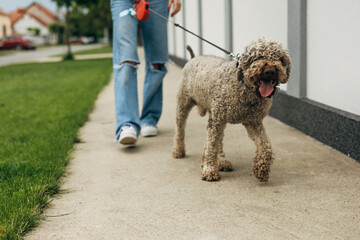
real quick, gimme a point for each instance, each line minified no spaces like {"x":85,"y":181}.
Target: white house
{"x":22,"y":25}
{"x":5,"y":24}
{"x":35,"y":16}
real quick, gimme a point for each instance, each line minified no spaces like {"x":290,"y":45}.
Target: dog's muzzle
{"x":267,"y":82}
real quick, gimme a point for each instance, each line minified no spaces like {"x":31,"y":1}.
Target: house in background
{"x":5,"y":24}
{"x":34,"y":21}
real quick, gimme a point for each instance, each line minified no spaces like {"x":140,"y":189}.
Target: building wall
{"x":21,"y":26}
{"x":332,"y":43}
{"x":253,"y":19}
{"x":5,"y":26}
{"x":178,"y":36}
{"x":213,"y":24}
{"x":192,"y":9}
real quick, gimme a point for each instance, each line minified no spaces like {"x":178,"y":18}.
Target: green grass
{"x":42,"y":107}
{"x":104,"y":49}
{"x":8,"y":52}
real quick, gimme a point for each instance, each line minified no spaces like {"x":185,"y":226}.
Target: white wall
{"x":333,"y":40}
{"x":333,"y":57}
{"x":257,"y":18}
{"x":27,"y":21}
{"x":171,"y":43}
{"x":179,"y":34}
{"x":213,"y":19}
{"x":192,"y":24}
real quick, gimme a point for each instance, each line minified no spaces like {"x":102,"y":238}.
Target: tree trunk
{"x":67,"y":34}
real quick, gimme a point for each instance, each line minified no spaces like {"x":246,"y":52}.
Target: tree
{"x":68,"y":4}
{"x":35,"y":31}
{"x":58,"y":28}
{"x":94,"y":21}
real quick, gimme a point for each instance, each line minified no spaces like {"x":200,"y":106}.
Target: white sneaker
{"x":128,"y":135}
{"x":148,"y":131}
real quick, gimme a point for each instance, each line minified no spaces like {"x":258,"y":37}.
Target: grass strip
{"x":7,"y":52}
{"x":42,"y":107}
{"x":104,"y":49}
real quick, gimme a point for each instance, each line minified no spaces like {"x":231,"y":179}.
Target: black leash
{"x":203,"y":39}
{"x":237,"y":56}
{"x":221,"y":49}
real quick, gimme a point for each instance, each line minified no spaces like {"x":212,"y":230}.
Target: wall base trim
{"x":338,"y":129}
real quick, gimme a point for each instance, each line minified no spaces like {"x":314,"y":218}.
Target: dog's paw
{"x":262,"y":171}
{"x":210,"y":175}
{"x":178,"y":154}
{"x":225,"y":166}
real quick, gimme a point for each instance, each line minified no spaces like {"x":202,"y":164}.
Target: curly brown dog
{"x":232,"y":94}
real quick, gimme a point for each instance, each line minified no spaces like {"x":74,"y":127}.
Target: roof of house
{"x":44,"y":9}
{"x":20,"y":12}
{"x":14,"y":16}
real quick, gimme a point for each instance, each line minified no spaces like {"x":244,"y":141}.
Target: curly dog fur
{"x":233,"y":95}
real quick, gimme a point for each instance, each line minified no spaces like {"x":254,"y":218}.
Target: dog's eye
{"x":283,"y":61}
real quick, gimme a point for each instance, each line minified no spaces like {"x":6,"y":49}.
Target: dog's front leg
{"x":210,"y":168}
{"x":264,"y":155}
{"x":224,"y":165}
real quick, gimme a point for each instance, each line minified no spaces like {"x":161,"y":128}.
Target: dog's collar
{"x":241,"y":76}
{"x":242,"y":80}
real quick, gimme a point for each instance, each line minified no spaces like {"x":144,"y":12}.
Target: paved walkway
{"x":43,"y":54}
{"x":114,"y":192}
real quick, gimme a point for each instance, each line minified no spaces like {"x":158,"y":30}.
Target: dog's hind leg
{"x":210,"y":167}
{"x":224,"y":165}
{"x":264,"y":155}
{"x":184,"y":105}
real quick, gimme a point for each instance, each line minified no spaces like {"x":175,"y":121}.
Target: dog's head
{"x":264,"y":65}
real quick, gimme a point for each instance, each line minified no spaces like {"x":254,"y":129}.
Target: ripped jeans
{"x":125,"y":61}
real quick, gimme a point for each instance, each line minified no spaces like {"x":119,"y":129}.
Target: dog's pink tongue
{"x":266,"y":88}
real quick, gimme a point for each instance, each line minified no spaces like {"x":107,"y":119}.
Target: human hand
{"x":177,"y":6}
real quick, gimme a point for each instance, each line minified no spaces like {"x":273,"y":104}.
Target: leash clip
{"x":130,"y":11}
{"x":237,"y":58}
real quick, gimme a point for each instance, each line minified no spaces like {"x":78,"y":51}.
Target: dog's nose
{"x":270,"y":72}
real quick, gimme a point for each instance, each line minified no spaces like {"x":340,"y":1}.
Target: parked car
{"x":17,"y":42}
{"x":82,"y":40}
{"x":87,"y":40}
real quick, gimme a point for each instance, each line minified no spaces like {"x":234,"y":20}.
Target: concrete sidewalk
{"x":115,"y":192}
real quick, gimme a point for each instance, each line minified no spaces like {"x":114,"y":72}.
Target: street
{"x":30,"y":55}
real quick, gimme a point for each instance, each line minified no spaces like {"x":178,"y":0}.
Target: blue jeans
{"x":154,"y":34}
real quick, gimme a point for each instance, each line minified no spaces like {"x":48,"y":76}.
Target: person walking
{"x":129,"y":124}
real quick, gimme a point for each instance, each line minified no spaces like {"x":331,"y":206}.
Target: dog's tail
{"x":190,"y":51}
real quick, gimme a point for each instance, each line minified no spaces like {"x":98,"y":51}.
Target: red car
{"x":16,"y":42}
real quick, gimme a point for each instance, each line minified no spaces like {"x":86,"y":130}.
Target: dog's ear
{"x":286,"y":62}
{"x":240,"y":75}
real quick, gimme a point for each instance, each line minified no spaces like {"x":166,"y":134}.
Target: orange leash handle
{"x":142,"y":10}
